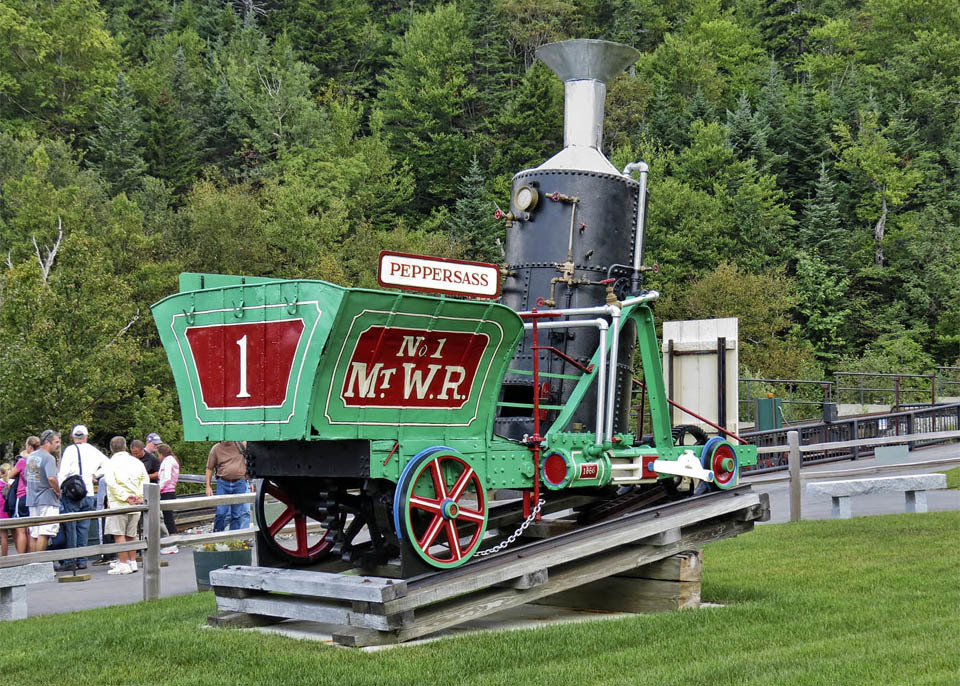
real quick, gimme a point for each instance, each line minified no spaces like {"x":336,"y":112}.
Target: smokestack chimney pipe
{"x":585,"y":66}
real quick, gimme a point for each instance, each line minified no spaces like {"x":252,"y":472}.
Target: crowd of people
{"x":84,"y":479}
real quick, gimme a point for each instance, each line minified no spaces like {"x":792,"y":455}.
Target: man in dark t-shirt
{"x":150,"y":461}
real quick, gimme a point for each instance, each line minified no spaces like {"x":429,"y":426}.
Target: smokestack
{"x":585,"y":66}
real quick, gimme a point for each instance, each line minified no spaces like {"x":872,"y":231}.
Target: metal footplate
{"x":366,"y":610}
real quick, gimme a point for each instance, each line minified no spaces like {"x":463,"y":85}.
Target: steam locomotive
{"x":380,"y":422}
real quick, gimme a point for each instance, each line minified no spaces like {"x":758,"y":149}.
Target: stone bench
{"x":13,"y":587}
{"x":914,"y":486}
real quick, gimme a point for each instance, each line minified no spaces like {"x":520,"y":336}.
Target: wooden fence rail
{"x":151,"y":543}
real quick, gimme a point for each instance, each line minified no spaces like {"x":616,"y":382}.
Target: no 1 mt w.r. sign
{"x":435,"y":275}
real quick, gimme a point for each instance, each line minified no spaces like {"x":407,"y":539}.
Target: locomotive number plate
{"x":245,"y":365}
{"x":412,"y":368}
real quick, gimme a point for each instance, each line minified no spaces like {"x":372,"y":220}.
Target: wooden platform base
{"x":666,"y":585}
{"x":643,"y":555}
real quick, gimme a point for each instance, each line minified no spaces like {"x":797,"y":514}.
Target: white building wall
{"x":695,"y":376}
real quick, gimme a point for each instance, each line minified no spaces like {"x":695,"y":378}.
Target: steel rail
{"x":429,"y":579}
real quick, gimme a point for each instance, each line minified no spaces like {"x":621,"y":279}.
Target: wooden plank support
{"x":639,"y":562}
{"x":459,"y":610}
{"x":311,"y":609}
{"x":537,"y":578}
{"x":313,"y":584}
{"x":664,"y":537}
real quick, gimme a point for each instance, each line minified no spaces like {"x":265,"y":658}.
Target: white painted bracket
{"x":686,"y":465}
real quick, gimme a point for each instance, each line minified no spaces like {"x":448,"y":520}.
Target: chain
{"x":515,"y":535}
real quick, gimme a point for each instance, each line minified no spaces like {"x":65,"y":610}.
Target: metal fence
{"x":920,"y":421}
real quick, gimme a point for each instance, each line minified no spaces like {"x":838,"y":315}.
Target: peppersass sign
{"x":435,"y":275}
{"x":394,"y":367}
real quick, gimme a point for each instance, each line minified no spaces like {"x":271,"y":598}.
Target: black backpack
{"x":73,"y":487}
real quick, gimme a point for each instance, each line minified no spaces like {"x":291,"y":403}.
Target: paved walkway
{"x":818,"y":507}
{"x":178,"y":578}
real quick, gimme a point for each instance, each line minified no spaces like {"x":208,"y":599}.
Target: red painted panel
{"x":647,"y":461}
{"x":269,"y":349}
{"x":393,"y":367}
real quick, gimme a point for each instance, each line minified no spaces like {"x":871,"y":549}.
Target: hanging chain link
{"x":515,"y":535}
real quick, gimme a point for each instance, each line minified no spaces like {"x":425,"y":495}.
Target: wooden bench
{"x":13,"y":587}
{"x":914,"y":487}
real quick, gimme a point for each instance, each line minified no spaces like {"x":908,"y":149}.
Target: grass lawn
{"x":870,"y":600}
{"x":953,"y":477}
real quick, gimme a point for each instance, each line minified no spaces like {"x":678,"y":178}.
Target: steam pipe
{"x":602,"y":370}
{"x":644,"y":170}
{"x":612,"y":374}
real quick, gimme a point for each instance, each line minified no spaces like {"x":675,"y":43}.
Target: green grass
{"x":872,"y":600}
{"x":953,"y":477}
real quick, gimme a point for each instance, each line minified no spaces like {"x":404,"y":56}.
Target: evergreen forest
{"x":804,"y":155}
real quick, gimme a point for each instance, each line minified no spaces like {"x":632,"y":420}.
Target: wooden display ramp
{"x":367,"y":610}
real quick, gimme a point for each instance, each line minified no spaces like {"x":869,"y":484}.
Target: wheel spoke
{"x":427,"y":504}
{"x":275,"y":491}
{"x":454,"y":538}
{"x":281,"y":521}
{"x":431,"y":534}
{"x":300,"y":523}
{"x":438,"y":486}
{"x":471,"y":515}
{"x":461,"y":485}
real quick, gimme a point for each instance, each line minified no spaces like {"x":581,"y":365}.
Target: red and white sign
{"x":589,"y":470}
{"x":435,"y":275}
{"x":394,"y":367}
{"x":245,"y":365}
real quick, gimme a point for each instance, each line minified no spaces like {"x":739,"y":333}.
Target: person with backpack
{"x":81,"y":466}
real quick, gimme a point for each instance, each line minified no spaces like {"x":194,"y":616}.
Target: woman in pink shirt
{"x":20,"y":533}
{"x":168,"y":476}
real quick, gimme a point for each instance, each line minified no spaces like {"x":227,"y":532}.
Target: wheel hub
{"x":449,"y":509}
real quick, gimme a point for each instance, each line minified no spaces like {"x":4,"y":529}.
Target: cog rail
{"x":365,"y":610}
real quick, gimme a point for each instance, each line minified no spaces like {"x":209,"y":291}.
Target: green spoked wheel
{"x":441,"y":506}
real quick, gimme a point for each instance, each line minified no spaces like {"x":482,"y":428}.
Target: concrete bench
{"x":13,"y":587}
{"x":914,"y":486}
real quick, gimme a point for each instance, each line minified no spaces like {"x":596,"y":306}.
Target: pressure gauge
{"x":526,"y":198}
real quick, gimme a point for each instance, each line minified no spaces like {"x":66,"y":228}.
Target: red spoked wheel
{"x":724,"y":463}
{"x":288,"y":528}
{"x":444,"y":508}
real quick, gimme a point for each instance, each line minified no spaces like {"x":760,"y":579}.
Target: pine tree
{"x":424,"y":95}
{"x":820,"y":231}
{"x":749,"y":132}
{"x":472,"y":221}
{"x":785,"y":26}
{"x":530,"y":127}
{"x":171,"y":145}
{"x":115,"y":149}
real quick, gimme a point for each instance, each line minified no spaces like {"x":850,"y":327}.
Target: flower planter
{"x":206,"y":561}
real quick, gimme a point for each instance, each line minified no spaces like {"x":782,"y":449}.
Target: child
{"x":168,"y":476}
{"x":5,"y":492}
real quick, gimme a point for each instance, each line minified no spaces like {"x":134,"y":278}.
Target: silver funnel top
{"x":585,"y":65}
